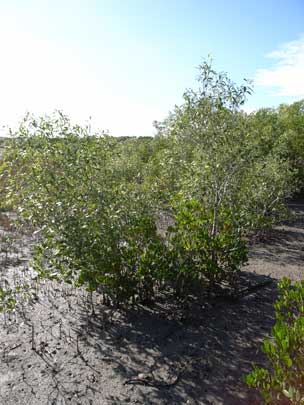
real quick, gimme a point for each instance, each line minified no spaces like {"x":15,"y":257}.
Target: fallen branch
{"x":150,"y":381}
{"x":245,"y":291}
{"x":249,"y":290}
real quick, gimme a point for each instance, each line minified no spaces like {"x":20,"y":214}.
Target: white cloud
{"x":286,"y":76}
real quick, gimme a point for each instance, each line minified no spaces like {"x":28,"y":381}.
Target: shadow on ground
{"x":196,"y":354}
{"x":282,"y":247}
{"x":52,"y":351}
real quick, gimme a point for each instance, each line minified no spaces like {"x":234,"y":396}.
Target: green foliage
{"x":95,"y":221}
{"x":284,"y":379}
{"x":200,"y":257}
{"x":281,"y":132}
{"x":7,"y":299}
{"x":221,"y":183}
{"x":96,"y":201}
{"x":292,"y":121}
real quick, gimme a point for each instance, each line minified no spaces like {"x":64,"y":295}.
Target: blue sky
{"x":126,"y":63}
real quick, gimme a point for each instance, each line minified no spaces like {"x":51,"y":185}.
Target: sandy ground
{"x":53,"y":351}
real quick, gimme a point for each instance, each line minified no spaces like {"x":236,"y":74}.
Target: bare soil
{"x":53,"y":350}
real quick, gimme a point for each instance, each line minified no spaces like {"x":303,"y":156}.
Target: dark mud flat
{"x":54,"y":351}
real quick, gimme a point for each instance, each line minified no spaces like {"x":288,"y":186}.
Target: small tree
{"x":283,"y":380}
{"x":221,"y":183}
{"x":95,"y":220}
